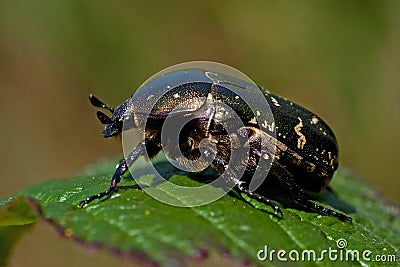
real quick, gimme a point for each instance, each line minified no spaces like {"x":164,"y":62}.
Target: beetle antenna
{"x":103,"y":118}
{"x":98,"y":103}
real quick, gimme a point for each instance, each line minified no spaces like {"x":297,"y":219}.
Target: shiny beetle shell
{"x":306,"y":154}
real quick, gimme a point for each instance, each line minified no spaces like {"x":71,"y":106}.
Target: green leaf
{"x":16,"y":217}
{"x":132,"y":222}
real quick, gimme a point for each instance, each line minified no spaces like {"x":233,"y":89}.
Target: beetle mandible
{"x":303,"y":158}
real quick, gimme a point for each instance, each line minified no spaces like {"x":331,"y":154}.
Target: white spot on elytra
{"x":253,"y":120}
{"x":264,"y":124}
{"x":301,"y":141}
{"x":176,"y":95}
{"x":311,"y":167}
{"x":314,"y":120}
{"x":276,"y":103}
{"x":270,"y":127}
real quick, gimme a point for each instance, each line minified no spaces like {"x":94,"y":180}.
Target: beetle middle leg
{"x":240,"y":185}
{"x":299,"y":196}
{"x":259,"y":198}
{"x":122,"y":168}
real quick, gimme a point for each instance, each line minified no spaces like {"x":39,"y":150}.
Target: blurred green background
{"x":340,"y":59}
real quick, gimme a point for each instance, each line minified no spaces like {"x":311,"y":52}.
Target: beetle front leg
{"x":122,"y":168}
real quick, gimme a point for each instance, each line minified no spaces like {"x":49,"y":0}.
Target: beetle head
{"x":113,"y":123}
{"x":113,"y":127}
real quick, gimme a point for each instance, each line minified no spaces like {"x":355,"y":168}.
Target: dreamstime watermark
{"x":180,"y":107}
{"x":338,"y":253}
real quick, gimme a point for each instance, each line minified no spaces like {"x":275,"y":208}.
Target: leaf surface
{"x":154,"y":233}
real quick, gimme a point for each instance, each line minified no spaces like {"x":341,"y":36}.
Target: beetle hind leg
{"x":305,"y":201}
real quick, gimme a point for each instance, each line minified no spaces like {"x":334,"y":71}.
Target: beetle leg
{"x":305,"y":201}
{"x":231,"y":178}
{"x":259,"y":198}
{"x":122,"y":168}
{"x":239,"y":185}
{"x":300,"y":196}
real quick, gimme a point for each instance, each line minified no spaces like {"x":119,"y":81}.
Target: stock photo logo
{"x":338,"y":253}
{"x":208,"y":115}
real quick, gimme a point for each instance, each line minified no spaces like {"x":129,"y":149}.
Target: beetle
{"x":304,"y":158}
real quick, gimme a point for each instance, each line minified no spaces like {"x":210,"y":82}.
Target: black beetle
{"x":304,"y":157}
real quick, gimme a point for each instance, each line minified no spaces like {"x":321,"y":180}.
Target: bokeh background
{"x":341,"y":59}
